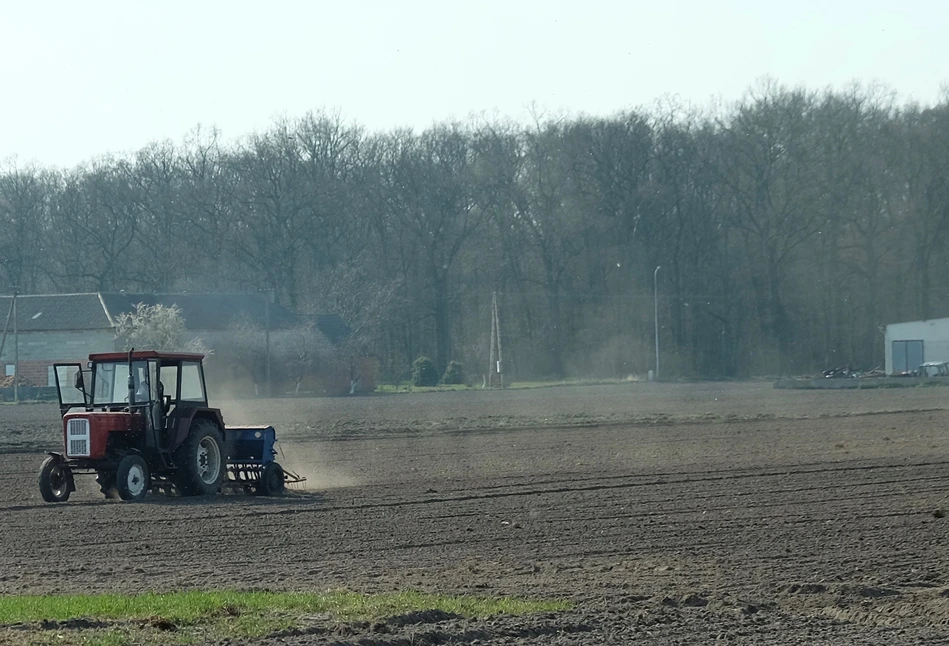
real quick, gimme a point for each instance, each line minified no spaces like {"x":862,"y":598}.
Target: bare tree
{"x":94,"y":225}
{"x":429,"y":191}
{"x":25,"y":193}
{"x":765,"y":167}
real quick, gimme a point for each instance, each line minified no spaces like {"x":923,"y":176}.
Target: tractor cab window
{"x":111,"y":382}
{"x":169,"y":379}
{"x":192,"y":383}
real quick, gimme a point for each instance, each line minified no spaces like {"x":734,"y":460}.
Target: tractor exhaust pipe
{"x":131,"y":382}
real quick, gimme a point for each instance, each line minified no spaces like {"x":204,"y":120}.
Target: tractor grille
{"x":77,"y":438}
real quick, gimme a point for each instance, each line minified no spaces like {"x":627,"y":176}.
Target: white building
{"x":912,"y":343}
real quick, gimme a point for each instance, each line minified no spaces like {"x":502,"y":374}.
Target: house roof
{"x":97,"y":311}
{"x":146,"y":354}
{"x":209,"y":311}
{"x":939,"y":321}
{"x":51,"y":312}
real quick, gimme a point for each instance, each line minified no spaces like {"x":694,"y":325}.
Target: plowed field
{"x":668,"y":514}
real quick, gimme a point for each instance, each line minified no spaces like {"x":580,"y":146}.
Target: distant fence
{"x":44,"y":393}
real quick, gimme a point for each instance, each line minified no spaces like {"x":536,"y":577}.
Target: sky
{"x":83,"y":79}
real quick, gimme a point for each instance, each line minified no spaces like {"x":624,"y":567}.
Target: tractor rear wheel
{"x":200,"y":460}
{"x":131,"y":478}
{"x":56,"y":481}
{"x":271,"y":480}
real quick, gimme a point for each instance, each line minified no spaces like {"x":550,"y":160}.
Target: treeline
{"x":789,"y":228}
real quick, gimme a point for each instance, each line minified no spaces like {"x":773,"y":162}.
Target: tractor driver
{"x":141,"y":388}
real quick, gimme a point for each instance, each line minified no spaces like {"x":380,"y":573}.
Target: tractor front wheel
{"x":132,"y":478}
{"x":200,"y":460}
{"x":56,"y":482}
{"x":271,"y":480}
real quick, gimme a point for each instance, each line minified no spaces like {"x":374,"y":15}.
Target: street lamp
{"x":655,"y":293}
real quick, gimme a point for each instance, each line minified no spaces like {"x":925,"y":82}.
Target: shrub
{"x":424,"y":373}
{"x":156,"y":327}
{"x":454,"y":373}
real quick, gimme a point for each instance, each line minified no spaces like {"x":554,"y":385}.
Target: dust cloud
{"x":307,"y":462}
{"x":303,"y":458}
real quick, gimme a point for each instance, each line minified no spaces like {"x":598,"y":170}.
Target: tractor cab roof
{"x":146,"y":354}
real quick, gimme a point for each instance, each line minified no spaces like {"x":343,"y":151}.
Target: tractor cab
{"x":141,"y":392}
{"x":115,"y":381}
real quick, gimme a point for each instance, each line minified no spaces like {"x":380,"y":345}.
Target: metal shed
{"x":912,"y":343}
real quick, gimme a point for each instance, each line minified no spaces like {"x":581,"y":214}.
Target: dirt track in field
{"x":668,"y":513}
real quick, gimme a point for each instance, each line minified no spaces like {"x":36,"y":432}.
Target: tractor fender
{"x":184,"y":423}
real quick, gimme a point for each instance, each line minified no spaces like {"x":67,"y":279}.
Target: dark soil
{"x":668,"y":513}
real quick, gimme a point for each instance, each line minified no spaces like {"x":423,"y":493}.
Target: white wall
{"x":933,"y":333}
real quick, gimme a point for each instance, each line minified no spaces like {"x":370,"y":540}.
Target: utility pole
{"x":493,"y":352}
{"x":494,"y":359}
{"x":655,"y":292}
{"x":16,"y":351}
{"x":497,"y":325}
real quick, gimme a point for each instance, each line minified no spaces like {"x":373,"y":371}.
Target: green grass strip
{"x":198,"y":607}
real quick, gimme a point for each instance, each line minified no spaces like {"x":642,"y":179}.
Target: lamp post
{"x":655,"y":294}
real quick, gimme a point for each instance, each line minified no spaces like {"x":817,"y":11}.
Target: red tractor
{"x":141,"y":420}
